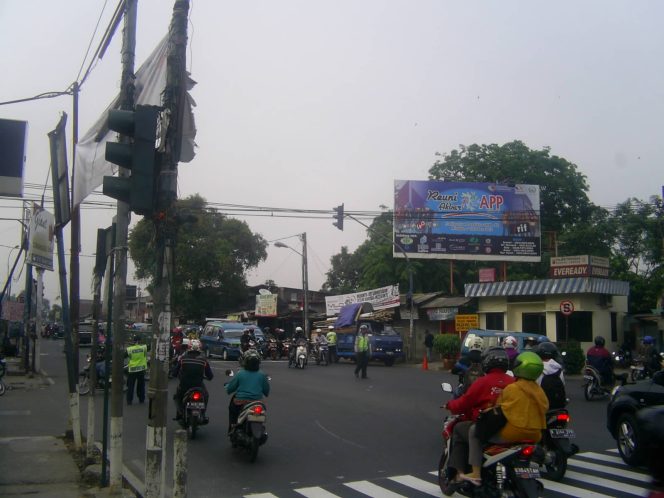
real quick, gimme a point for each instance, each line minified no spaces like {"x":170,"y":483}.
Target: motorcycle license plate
{"x":637,"y":368}
{"x":196,"y":405}
{"x":256,"y":418}
{"x":388,"y":353}
{"x":527,"y":472}
{"x":588,"y":377}
{"x":562,"y":433}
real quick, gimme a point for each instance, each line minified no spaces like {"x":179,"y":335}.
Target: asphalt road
{"x":325,"y":426}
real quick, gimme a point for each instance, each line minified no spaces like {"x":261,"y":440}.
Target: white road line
{"x":315,"y":492}
{"x":606,"y":483}
{"x":572,"y":490}
{"x":613,"y":450}
{"x":371,"y":489}
{"x":418,"y":484}
{"x":261,"y":495}
{"x":582,"y":464}
{"x":603,"y":458}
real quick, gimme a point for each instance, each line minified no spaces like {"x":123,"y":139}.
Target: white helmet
{"x":510,"y":342}
{"x":477,"y":344}
{"x":195,"y":345}
{"x":330,"y":327}
{"x":298,"y":329}
{"x":186,"y":342}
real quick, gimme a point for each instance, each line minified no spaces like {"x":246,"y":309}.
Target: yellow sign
{"x":463,"y":323}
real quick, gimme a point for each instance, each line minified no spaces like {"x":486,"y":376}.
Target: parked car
{"x":223,"y":338}
{"x":622,"y":415}
{"x":496,"y":337}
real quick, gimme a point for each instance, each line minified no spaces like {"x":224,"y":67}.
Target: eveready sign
{"x":579,"y":271}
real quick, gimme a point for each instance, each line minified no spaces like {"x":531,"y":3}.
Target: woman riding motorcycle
{"x":250,"y":384}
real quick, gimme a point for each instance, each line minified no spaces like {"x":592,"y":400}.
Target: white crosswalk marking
{"x":418,"y":484}
{"x":315,"y":492}
{"x":373,"y":490}
{"x":587,"y":476}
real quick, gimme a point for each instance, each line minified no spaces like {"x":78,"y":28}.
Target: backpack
{"x":554,"y":388}
{"x":473,"y":373}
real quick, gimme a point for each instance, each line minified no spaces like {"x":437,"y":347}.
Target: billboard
{"x":381,"y":298}
{"x":471,"y":221}
{"x":13,"y":139}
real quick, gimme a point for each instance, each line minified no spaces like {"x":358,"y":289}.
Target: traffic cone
{"x":425,"y":363}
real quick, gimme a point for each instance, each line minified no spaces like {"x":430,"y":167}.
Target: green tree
{"x":211,"y":258}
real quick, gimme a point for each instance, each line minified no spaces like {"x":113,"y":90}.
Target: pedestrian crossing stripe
{"x":589,"y":475}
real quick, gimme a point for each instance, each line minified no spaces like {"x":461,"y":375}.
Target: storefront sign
{"x":442,"y":313}
{"x":266,"y":304}
{"x":463,"y":323}
{"x":579,"y":266}
{"x":487,"y":275}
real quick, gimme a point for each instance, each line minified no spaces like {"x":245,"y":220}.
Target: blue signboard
{"x":473,"y":221}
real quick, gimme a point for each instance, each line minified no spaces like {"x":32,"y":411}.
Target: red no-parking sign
{"x":566,"y":307}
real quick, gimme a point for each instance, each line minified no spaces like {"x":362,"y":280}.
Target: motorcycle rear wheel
{"x":3,"y":388}
{"x":193,"y":428}
{"x":588,"y":392}
{"x":556,"y":469}
{"x":253,"y":449}
{"x":84,"y":385}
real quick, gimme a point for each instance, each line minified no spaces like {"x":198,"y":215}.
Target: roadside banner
{"x":381,"y":298}
{"x":266,"y":305}
{"x":40,"y":232}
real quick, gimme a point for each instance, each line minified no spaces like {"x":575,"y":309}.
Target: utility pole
{"x":165,"y":232}
{"x":120,"y":250}
{"x":305,"y":285}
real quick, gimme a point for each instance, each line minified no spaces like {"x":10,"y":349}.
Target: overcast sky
{"x":308,"y":104}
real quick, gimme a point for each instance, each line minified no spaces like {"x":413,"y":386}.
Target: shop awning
{"x":447,"y":302}
{"x":579,"y":285}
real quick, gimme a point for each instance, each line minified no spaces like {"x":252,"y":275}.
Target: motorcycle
{"x":272,"y":348}
{"x":193,"y":411}
{"x":300,"y":360}
{"x":84,"y":382}
{"x":556,"y":443}
{"x":3,"y":369}
{"x":285,"y":348}
{"x":637,"y":370}
{"x":508,"y":469}
{"x":322,"y":354}
{"x":622,"y":358}
{"x":593,"y":386}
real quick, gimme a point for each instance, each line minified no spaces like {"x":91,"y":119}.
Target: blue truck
{"x":385,"y":343}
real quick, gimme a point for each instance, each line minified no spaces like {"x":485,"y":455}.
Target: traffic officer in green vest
{"x":362,"y":351}
{"x":332,"y":343}
{"x":138,"y":364}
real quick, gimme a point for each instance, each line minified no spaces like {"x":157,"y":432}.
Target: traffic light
{"x":339,"y":217}
{"x":137,"y":190}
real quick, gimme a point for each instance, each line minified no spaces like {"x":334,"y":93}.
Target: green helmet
{"x":528,"y":365}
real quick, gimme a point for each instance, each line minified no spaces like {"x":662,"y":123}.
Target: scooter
{"x":322,"y":354}
{"x":193,"y":411}
{"x":301,"y":356}
{"x":593,"y":387}
{"x":637,"y":370}
{"x":510,"y":469}
{"x":556,"y":443}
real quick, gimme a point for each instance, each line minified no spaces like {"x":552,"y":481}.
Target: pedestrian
{"x":138,"y":364}
{"x":332,"y":342}
{"x":362,"y":351}
{"x":428,"y":343}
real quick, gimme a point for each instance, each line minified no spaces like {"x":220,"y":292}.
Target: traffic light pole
{"x":120,"y":250}
{"x":165,"y":232}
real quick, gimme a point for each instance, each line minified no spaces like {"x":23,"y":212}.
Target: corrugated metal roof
{"x":447,"y":302}
{"x":577,"y":285}
{"x":420,"y":298}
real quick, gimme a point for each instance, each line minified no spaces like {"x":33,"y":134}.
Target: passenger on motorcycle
{"x":191,"y":370}
{"x":246,"y":338}
{"x":599,"y":358}
{"x":510,"y":344}
{"x":250,"y":384}
{"x":482,"y":394}
{"x":529,"y":343}
{"x":552,"y":380}
{"x":523,"y":404}
{"x":469,"y":366}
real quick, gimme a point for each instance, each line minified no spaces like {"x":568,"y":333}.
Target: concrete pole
{"x":305,"y":285}
{"x":120,"y":250}
{"x":38,"y":320}
{"x":180,"y":464}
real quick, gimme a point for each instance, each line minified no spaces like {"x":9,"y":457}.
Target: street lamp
{"x":305,"y":278}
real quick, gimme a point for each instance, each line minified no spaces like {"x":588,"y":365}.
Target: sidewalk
{"x":43,"y":466}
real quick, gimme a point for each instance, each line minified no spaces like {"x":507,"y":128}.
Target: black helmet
{"x":599,"y":341}
{"x":251,"y":360}
{"x":547,"y":350}
{"x":495,"y":357}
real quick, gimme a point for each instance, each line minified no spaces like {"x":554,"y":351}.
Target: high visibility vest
{"x":332,"y":338}
{"x":362,"y":343}
{"x":138,"y":358}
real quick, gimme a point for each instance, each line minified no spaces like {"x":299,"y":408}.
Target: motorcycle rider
{"x":191,"y":370}
{"x":510,"y":345}
{"x":482,"y":394}
{"x":599,"y":358}
{"x":530,"y":343}
{"x":552,"y":380}
{"x":298,"y":338}
{"x":321,"y":340}
{"x":524,"y":406}
{"x":332,"y":343}
{"x":649,"y":355}
{"x":469,"y":366}
{"x":247,"y":336}
{"x":250,"y":384}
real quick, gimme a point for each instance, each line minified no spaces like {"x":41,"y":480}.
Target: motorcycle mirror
{"x":446,"y":386}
